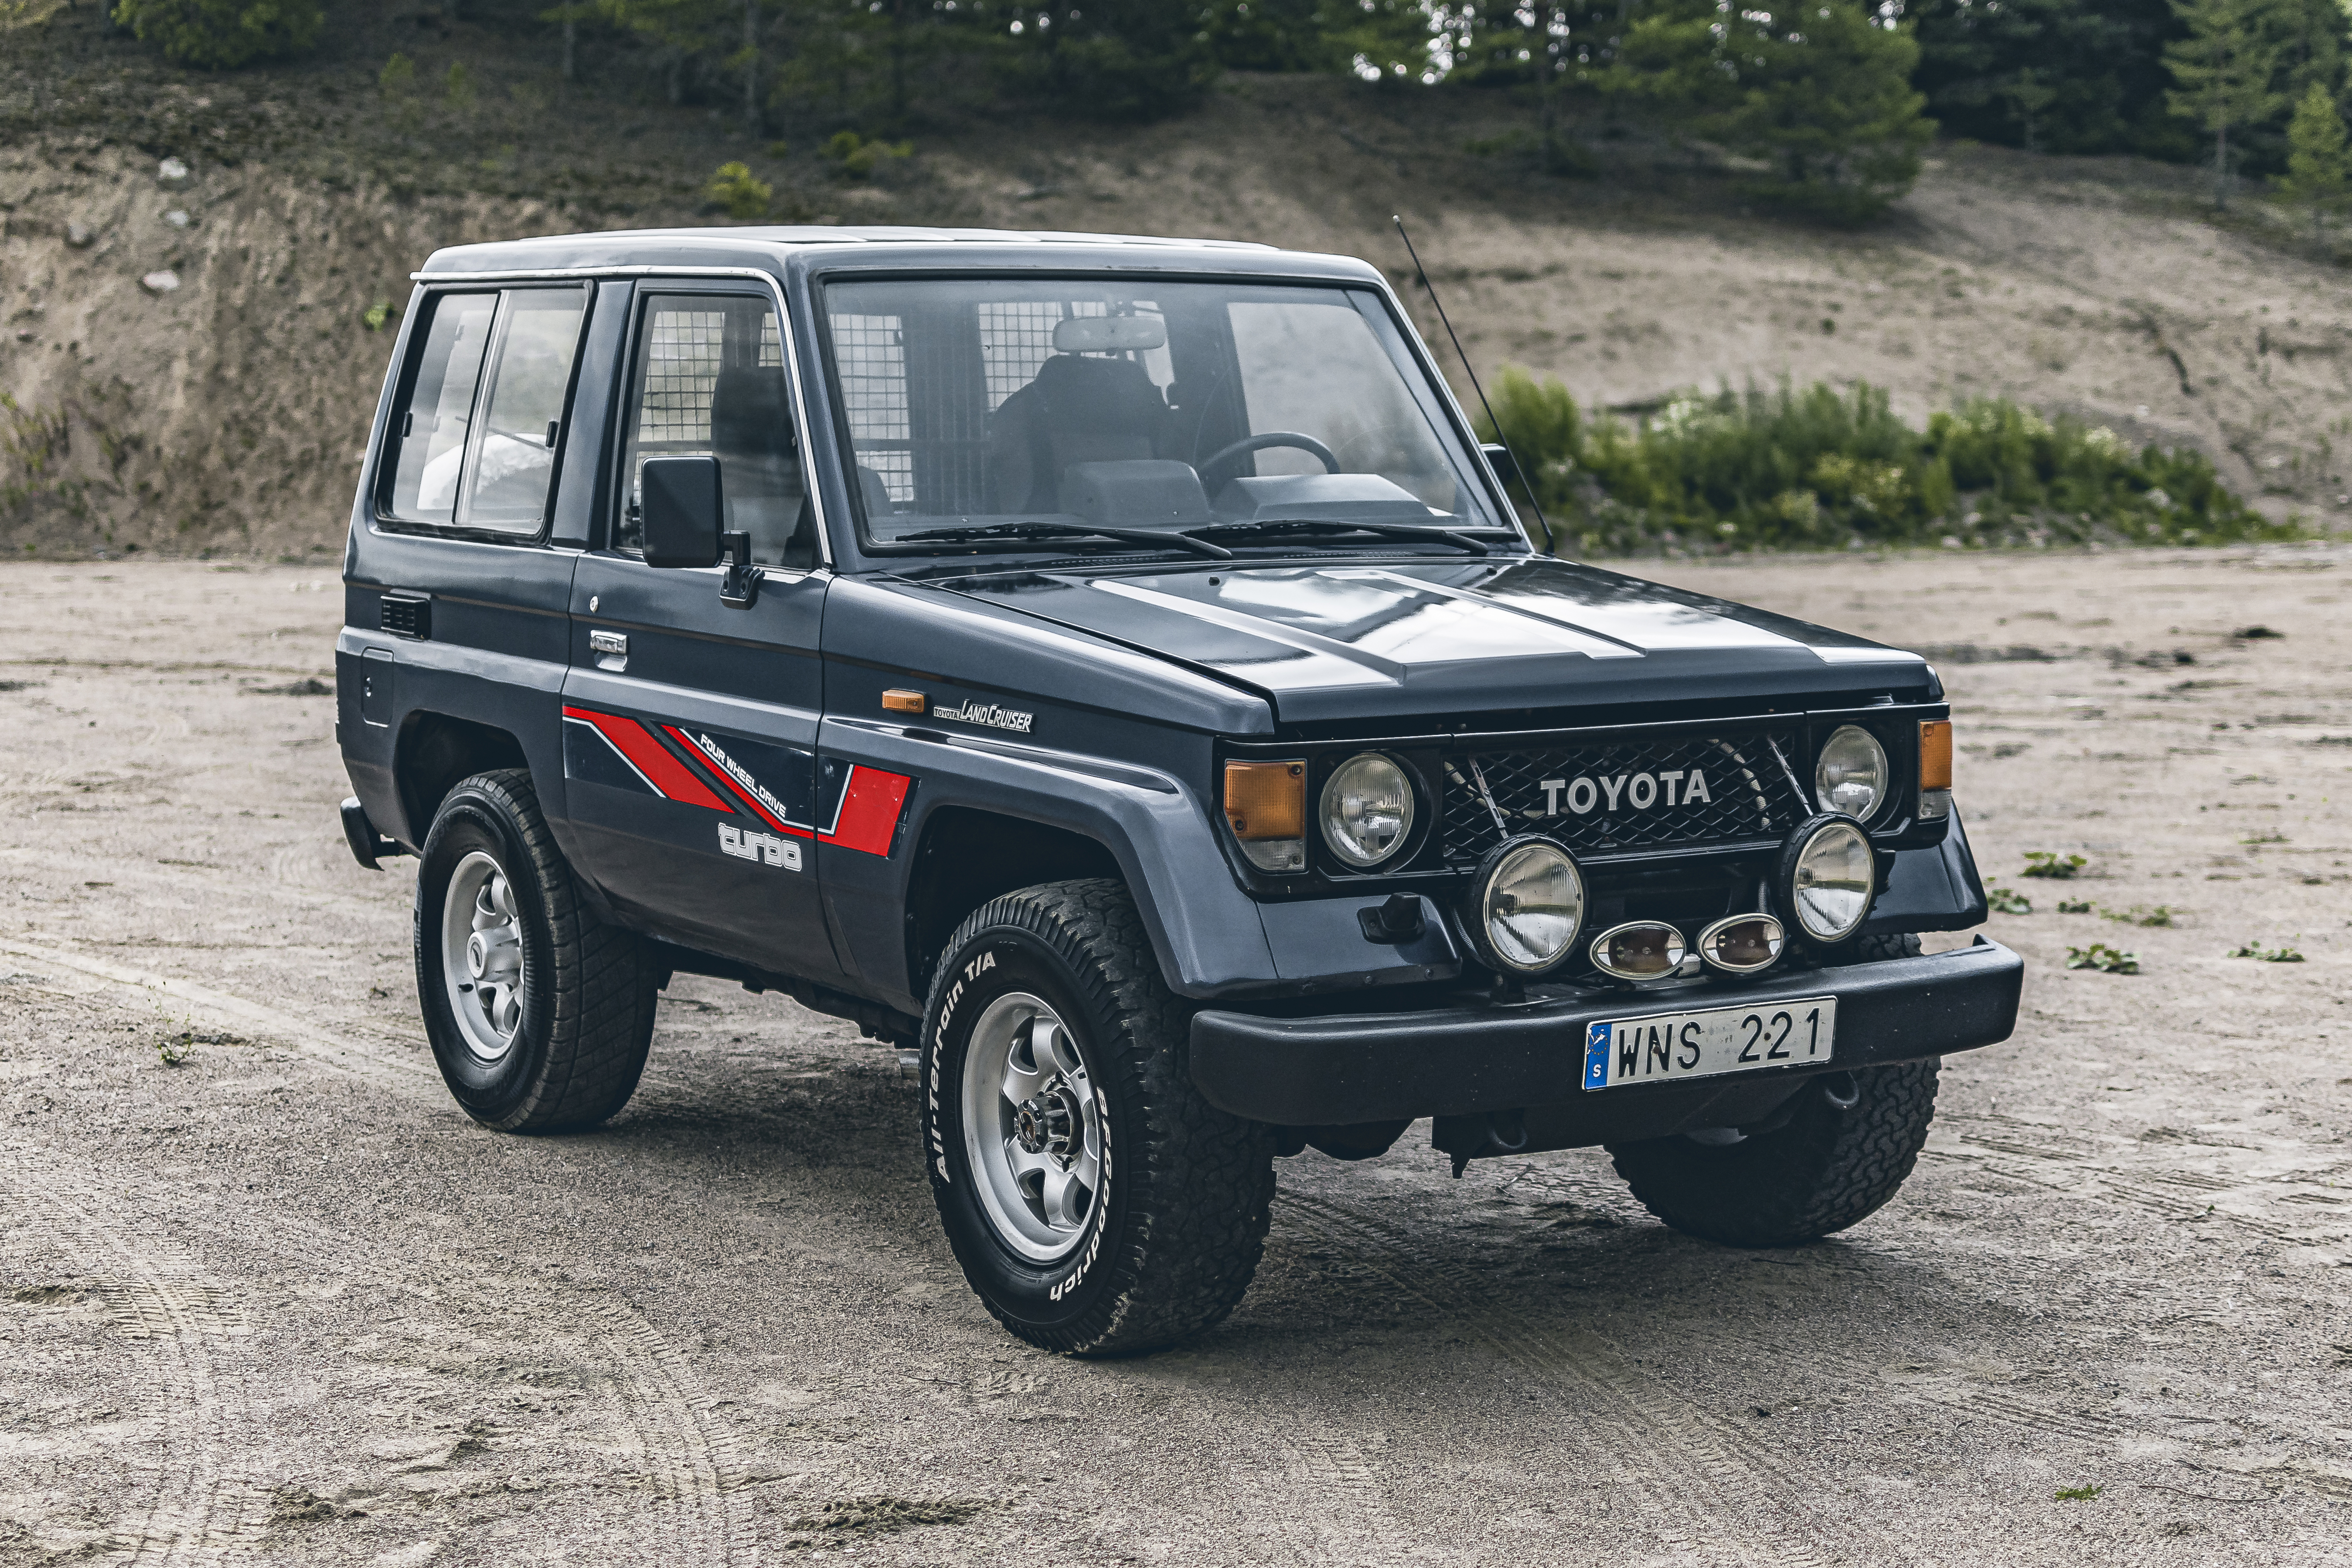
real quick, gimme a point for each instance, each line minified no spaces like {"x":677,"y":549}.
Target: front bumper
{"x":1487,"y":1057}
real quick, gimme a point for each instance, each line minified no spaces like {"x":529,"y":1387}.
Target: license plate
{"x":1668,"y":1048}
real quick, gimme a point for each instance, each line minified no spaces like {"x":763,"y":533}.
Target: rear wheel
{"x":539,"y":1014}
{"x":1098,"y":1205}
{"x":1845,"y":1146}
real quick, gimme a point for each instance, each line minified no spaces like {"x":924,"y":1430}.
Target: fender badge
{"x":988,"y":715}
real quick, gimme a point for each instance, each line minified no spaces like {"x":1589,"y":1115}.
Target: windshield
{"x":1164,"y":407}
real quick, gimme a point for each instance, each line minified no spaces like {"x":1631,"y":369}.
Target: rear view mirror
{"x":680,"y":510}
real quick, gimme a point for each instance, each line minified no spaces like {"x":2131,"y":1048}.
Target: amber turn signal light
{"x":1266,"y":800}
{"x":1936,"y":754}
{"x":900,"y":700}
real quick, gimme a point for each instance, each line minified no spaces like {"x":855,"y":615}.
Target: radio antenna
{"x":1526,"y":479}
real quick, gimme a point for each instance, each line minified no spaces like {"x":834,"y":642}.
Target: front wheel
{"x":1098,"y":1205}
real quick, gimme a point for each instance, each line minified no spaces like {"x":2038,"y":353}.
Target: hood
{"x":1334,"y":641}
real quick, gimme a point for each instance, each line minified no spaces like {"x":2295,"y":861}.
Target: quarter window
{"x":477,"y":451}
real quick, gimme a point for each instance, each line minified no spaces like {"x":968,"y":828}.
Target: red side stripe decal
{"x":869,"y":811}
{"x":664,"y":772}
{"x":726,"y":782}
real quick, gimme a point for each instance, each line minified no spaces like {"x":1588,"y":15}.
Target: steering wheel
{"x":1261,"y":441}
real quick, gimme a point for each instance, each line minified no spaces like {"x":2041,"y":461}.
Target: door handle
{"x":611,"y":648}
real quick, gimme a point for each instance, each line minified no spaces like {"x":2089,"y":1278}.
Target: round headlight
{"x":1850,"y":775}
{"x":1527,"y":906}
{"x":1367,"y":810}
{"x":1828,"y":875}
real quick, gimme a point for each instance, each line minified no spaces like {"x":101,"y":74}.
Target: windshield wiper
{"x":1166,"y":538}
{"x":1315,"y":526}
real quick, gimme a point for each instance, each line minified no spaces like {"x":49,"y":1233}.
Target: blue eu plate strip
{"x":1596,"y":1055}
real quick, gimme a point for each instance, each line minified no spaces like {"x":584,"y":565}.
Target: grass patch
{"x":1818,"y":468}
{"x":2077,"y":1494}
{"x":2074,"y":906}
{"x":2008,"y":901}
{"x":2056,"y":866}
{"x":2281,"y":955}
{"x":2104,"y":959}
{"x":2141,"y":915}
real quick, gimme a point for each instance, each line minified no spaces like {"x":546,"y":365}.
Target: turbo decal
{"x":646,"y":758}
{"x":747,"y":845}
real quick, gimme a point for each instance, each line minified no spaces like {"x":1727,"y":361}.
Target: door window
{"x":710,"y":382}
{"x":477,"y":451}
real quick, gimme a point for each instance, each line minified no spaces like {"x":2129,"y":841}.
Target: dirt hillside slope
{"x":226,"y":413}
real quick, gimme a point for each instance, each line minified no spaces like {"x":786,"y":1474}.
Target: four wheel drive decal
{"x":647,"y":758}
{"x":739,"y":783}
{"x":855,"y":807}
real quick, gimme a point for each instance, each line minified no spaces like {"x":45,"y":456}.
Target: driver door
{"x":690,"y":727}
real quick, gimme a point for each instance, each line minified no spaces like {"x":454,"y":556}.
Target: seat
{"x":1079,"y":409}
{"x":760,"y":472}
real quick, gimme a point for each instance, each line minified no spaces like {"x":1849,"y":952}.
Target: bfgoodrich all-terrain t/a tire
{"x":1847,"y":1147}
{"x":540,"y":1014}
{"x":1097,"y":1203}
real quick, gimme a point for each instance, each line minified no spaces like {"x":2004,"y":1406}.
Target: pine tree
{"x":1821,"y":92}
{"x":2318,"y":162}
{"x":221,"y":34}
{"x":2224,"y":68}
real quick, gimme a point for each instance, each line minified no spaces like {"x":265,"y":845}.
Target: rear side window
{"x":485,"y":410}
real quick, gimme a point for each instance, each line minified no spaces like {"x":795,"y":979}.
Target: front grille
{"x":1747,"y":792}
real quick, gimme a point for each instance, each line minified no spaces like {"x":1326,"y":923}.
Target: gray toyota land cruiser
{"x":1113,"y":669}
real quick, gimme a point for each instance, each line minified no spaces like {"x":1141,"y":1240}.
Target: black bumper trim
{"x":1463,"y":1060}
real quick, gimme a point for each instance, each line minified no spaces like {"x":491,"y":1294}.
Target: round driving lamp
{"x":1849,"y":775}
{"x":1527,"y":904}
{"x":1825,"y":879}
{"x":1367,"y":810}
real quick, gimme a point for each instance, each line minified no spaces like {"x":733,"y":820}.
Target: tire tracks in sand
{"x":694,"y":1464}
{"x":1722,"y":1505}
{"x":190,"y":1509}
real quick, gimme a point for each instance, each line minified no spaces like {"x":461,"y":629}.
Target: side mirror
{"x":680,"y":510}
{"x":1506,"y":468}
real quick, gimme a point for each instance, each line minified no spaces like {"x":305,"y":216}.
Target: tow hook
{"x":1468,"y":1136}
{"x":367,"y":844}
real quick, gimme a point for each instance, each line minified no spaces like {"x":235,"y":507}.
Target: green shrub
{"x":220,"y":34}
{"x":735,"y":188}
{"x":1819,"y":467}
{"x":855,"y":157}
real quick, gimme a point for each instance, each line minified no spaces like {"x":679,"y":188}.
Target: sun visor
{"x":1108,"y":334}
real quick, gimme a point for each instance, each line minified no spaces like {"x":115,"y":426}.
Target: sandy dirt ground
{"x":281,"y":1302}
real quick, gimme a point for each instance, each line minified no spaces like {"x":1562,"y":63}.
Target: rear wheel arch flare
{"x":436,"y":752}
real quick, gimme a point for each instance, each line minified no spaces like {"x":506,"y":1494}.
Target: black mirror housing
{"x":1506,"y":468}
{"x":680,"y":510}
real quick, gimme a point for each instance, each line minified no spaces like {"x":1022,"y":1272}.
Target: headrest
{"x":748,"y":414}
{"x":1105,"y":334}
